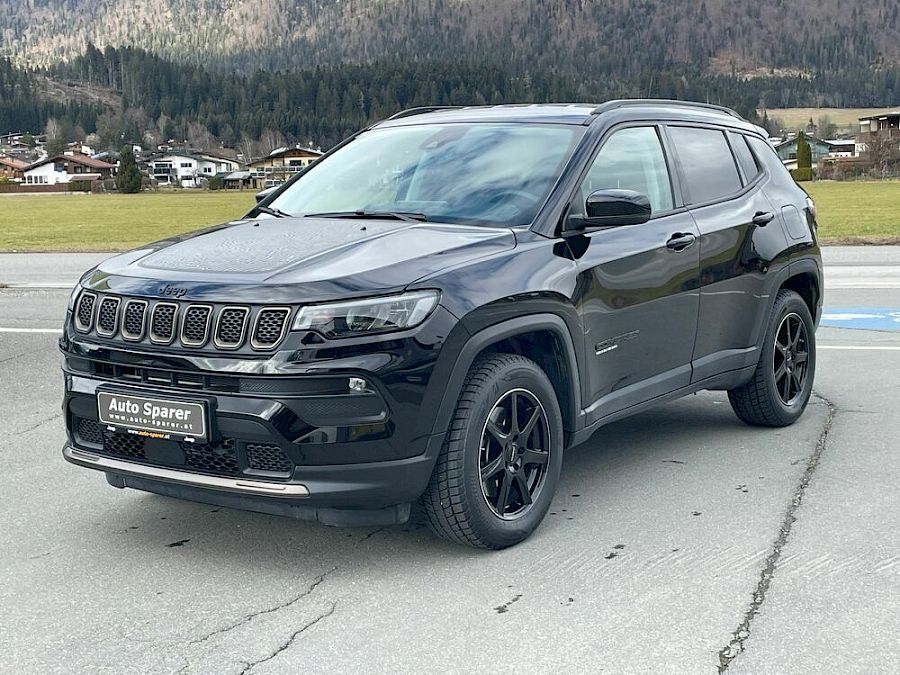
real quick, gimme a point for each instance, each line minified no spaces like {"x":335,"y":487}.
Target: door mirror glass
{"x":611,"y":208}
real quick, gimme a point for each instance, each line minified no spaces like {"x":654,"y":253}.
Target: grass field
{"x":794,"y":118}
{"x":80,"y":222}
{"x":851,"y":212}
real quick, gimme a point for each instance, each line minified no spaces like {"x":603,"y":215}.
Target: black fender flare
{"x":477,"y":342}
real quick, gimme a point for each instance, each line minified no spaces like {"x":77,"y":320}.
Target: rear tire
{"x":777,"y":394}
{"x":499,"y":465}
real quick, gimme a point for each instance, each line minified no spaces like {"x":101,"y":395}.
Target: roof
{"x":280,"y":152}
{"x":881,"y":116}
{"x":14,"y":163}
{"x":565,"y":113}
{"x":84,"y":160}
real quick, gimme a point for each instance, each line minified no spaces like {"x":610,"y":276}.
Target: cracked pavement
{"x":680,"y":541}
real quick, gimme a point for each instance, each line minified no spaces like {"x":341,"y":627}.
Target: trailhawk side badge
{"x":613,"y":343}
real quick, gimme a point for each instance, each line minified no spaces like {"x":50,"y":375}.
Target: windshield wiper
{"x":409,"y":217}
{"x":278,"y":213}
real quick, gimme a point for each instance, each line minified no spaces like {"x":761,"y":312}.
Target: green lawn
{"x":84,"y":222}
{"x":857,"y":212}
{"x":851,"y":212}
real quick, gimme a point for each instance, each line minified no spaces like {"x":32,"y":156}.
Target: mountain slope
{"x":620,"y":38}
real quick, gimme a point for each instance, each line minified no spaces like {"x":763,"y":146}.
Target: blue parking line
{"x":862,"y":318}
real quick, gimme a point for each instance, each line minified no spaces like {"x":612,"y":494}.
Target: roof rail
{"x":409,"y":112}
{"x":625,"y":102}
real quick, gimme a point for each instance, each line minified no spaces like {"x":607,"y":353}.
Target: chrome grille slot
{"x":84,"y":316}
{"x":195,"y":325}
{"x":230,"y":326}
{"x":269,"y":327}
{"x":133,"y":319}
{"x":162,"y":322}
{"x":108,"y":316}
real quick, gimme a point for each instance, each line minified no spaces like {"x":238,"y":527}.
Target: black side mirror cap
{"x":265,"y":193}
{"x":611,"y":208}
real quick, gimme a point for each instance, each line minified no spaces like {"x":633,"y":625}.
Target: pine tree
{"x":128,"y":180}
{"x":804,"y":152}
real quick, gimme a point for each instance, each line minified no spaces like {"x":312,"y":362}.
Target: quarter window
{"x":766,"y":155}
{"x":707,"y":163}
{"x":744,"y":156}
{"x":631,"y":159}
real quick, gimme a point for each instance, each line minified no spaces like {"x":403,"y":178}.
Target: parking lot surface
{"x":680,"y":541}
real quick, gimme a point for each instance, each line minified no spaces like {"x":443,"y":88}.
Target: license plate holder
{"x":154,"y":416}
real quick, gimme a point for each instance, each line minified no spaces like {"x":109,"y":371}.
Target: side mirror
{"x":611,"y":208}
{"x":265,"y":193}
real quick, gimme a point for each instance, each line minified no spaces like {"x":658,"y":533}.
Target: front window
{"x":475,"y":173}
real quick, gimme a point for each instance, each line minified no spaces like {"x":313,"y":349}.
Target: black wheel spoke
{"x":530,"y":424}
{"x":503,"y":494}
{"x":493,"y":468}
{"x":801,"y":357}
{"x":522,"y":486}
{"x":532,"y":456}
{"x":496,"y":432}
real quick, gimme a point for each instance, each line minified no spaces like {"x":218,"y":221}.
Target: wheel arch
{"x":804,"y":277}
{"x":545,"y":339}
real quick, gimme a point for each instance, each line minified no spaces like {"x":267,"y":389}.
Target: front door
{"x":638,"y":285}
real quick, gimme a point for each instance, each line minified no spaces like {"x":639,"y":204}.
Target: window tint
{"x":744,"y":156}
{"x":706,"y":160}
{"x":767,"y":157}
{"x":630,"y":159}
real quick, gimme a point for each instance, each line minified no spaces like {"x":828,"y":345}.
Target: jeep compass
{"x":440,"y":306}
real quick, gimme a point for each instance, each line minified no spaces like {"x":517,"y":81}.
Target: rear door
{"x":723,"y":186}
{"x":637,"y":284}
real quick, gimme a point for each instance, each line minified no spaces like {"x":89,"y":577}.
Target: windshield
{"x":496,"y":174}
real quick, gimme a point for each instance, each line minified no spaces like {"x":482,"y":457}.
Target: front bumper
{"x":285,"y":434}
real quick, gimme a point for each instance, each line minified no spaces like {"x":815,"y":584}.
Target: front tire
{"x":777,"y":394}
{"x":499,"y":465}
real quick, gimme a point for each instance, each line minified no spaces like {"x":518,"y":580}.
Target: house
{"x":280,"y":165}
{"x":841,"y":147}
{"x":67,"y":168}
{"x":11,"y":169}
{"x":237,"y":180}
{"x":787,"y":150}
{"x":188,"y":169}
{"x":886,"y":127}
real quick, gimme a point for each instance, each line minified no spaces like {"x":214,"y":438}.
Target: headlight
{"x":372,"y":315}
{"x":74,"y":296}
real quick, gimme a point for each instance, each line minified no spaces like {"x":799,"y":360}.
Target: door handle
{"x":680,"y":241}
{"x":763,"y":218}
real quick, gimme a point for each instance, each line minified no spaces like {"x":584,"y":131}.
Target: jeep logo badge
{"x":172,"y":291}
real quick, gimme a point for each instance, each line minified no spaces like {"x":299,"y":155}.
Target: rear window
{"x":709,"y":168}
{"x":744,"y":156}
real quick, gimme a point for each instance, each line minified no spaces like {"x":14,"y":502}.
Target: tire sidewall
{"x":497,"y":531}
{"x":789,"y":304}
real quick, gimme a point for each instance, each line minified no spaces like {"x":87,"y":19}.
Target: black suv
{"x":440,"y":306}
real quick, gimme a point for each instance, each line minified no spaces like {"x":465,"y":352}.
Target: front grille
{"x":220,"y":458}
{"x":230,"y":327}
{"x":266,"y":457}
{"x":269,"y":327}
{"x":195,"y":325}
{"x":170,"y":322}
{"x":84,"y":317}
{"x":89,"y":431}
{"x":162,"y":322}
{"x":108,"y":316}
{"x":133,"y":319}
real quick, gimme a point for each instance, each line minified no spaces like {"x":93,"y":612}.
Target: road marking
{"x":54,"y":331}
{"x":862,"y":348}
{"x":45,"y":286}
{"x":862,"y":318}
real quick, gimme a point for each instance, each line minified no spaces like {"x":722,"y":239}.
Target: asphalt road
{"x":680,"y":541}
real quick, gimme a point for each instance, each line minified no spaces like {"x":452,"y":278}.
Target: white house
{"x":188,"y":170}
{"x":67,"y":168}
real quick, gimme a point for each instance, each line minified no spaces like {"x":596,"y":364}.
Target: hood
{"x":296,"y":259}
